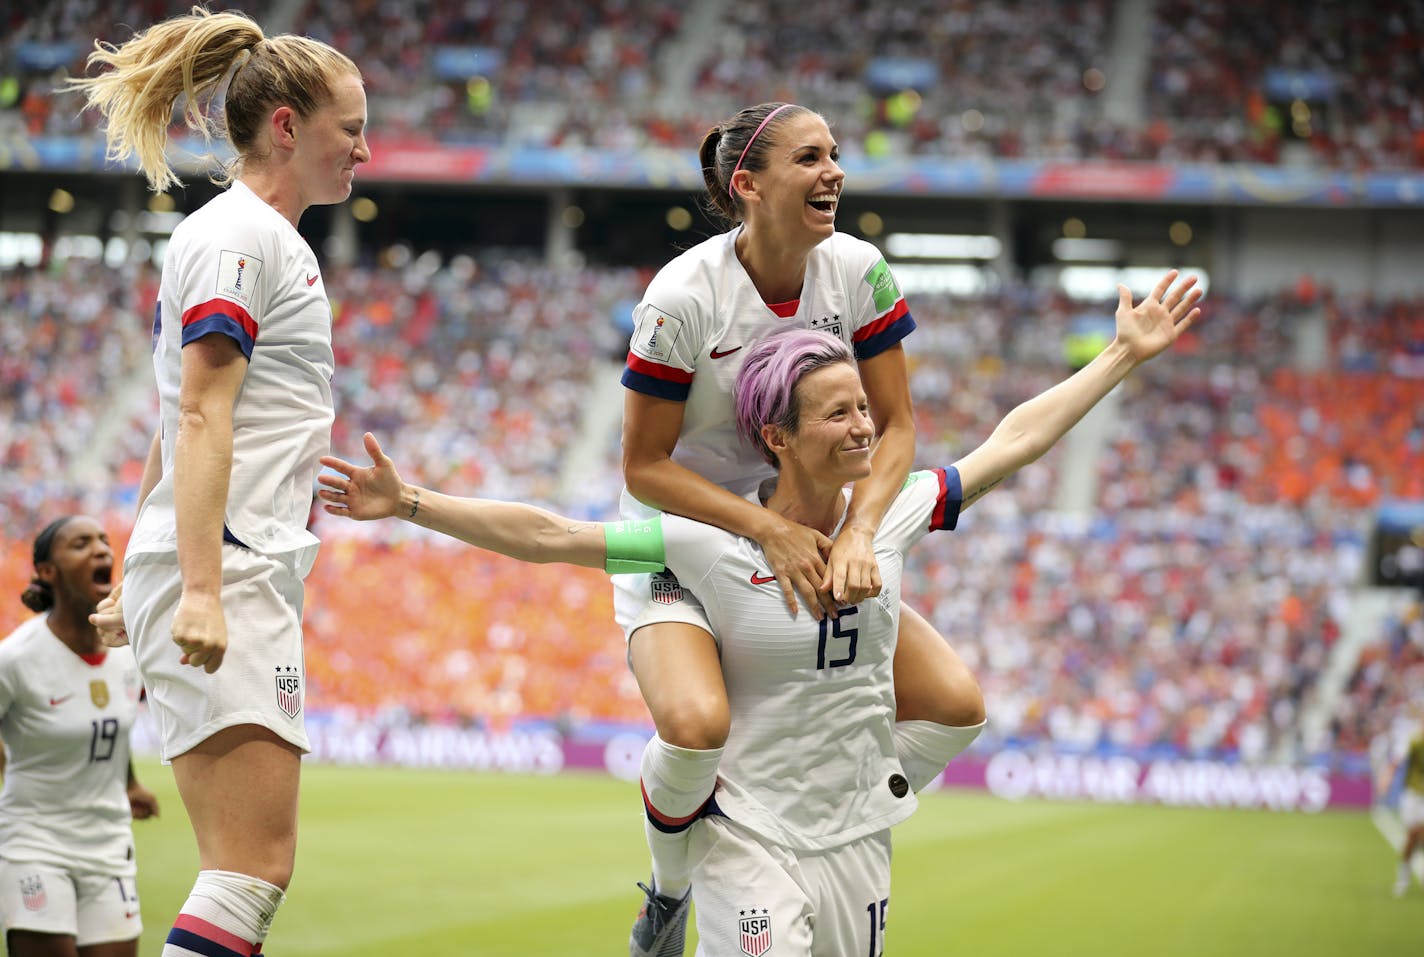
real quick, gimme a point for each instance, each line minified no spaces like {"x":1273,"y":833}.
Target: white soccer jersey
{"x":702,"y":312}
{"x":239,"y":268}
{"x":65,"y":722}
{"x":810,"y":763}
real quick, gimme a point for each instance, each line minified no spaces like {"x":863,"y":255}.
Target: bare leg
{"x":113,"y":948}
{"x":240,"y":789}
{"x":680,"y":674}
{"x":932,"y":683}
{"x":29,"y":943}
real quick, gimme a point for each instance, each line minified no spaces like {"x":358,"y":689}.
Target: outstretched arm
{"x":520,"y":531}
{"x":1032,"y":428}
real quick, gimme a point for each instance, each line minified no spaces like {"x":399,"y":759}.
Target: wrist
{"x":408,"y":506}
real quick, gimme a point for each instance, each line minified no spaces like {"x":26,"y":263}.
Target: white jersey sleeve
{"x":65,"y":723}
{"x":237,"y":268}
{"x":702,"y":313}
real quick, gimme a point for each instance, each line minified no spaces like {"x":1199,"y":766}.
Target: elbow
{"x":637,"y":476}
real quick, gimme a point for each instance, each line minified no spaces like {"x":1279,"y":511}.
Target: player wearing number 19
{"x":793,"y":851}
{"x":67,"y":865}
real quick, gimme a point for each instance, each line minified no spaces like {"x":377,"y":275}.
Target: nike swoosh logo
{"x":56,"y":702}
{"x":311,"y":280}
{"x":762,"y":580}
{"x":718,"y":354}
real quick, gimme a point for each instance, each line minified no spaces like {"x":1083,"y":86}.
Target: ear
{"x":47,"y":571}
{"x":283,"y":127}
{"x":743,"y":184}
{"x":775,"y":438}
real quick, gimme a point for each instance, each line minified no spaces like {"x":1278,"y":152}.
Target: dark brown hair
{"x":724,"y":145}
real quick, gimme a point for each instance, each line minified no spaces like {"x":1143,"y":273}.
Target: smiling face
{"x":331,"y":143}
{"x":800,"y":186}
{"x":833,"y":433}
{"x":81,"y":563}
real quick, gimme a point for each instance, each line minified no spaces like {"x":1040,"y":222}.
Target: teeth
{"x":824,"y":198}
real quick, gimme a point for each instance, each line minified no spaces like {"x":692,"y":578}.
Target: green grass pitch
{"x":448,"y":864}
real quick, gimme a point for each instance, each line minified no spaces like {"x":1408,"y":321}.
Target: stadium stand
{"x":1015,"y":79}
{"x":1190,"y":609}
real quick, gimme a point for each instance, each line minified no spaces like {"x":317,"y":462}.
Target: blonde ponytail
{"x":194,"y":59}
{"x":185,"y":57}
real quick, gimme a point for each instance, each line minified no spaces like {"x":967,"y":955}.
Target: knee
{"x":697,"y":724}
{"x":964,"y":704}
{"x":279,"y":874}
{"x":953,"y":698}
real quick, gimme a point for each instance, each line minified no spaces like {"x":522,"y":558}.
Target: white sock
{"x":677,"y":784}
{"x":224,"y":912}
{"x":924,"y":748}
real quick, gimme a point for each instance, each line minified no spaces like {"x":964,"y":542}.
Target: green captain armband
{"x":633,"y":547}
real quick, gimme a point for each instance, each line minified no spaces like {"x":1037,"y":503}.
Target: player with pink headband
{"x":793,"y":856}
{"x":772,"y":172}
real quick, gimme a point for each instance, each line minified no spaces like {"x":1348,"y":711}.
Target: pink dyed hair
{"x":765,"y":390}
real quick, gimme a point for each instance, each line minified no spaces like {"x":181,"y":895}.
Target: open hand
{"x":1156,"y":322}
{"x":359,"y":493}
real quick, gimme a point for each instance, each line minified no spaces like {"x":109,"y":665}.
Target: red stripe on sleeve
{"x":222,"y":307}
{"x":883,"y":323}
{"x":666,"y":373}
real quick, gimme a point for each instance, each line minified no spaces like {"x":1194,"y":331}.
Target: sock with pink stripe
{"x":677,"y":784}
{"x":226,"y":915}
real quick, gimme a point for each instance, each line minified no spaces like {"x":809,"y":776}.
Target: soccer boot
{"x":661,"y":927}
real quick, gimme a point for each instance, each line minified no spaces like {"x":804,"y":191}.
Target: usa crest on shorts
{"x":32,"y":892}
{"x":289,"y":690}
{"x":755,"y":936}
{"x":667,"y":590}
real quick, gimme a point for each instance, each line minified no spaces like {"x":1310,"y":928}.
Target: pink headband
{"x":749,"y":145}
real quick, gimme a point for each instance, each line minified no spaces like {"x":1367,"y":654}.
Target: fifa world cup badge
{"x":99,"y":693}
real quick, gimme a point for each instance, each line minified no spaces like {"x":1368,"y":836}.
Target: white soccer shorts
{"x":93,"y":908}
{"x":753,"y":897}
{"x":262,"y":678}
{"x":640,"y":600}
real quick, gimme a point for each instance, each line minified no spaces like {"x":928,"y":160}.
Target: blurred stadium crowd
{"x":1201,"y":81}
{"x":1194,"y":609}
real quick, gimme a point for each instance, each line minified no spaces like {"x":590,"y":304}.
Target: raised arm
{"x":520,"y":531}
{"x":1032,"y":428}
{"x":651,"y":426}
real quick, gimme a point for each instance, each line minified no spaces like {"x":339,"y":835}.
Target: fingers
{"x":1124,"y":297}
{"x":1162,"y":286}
{"x":338,"y":465}
{"x":373,"y":448}
{"x":788,"y":595}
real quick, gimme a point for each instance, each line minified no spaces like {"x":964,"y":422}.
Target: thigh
{"x":932,"y":683}
{"x":851,"y":894}
{"x":679,"y":672}
{"x":37,"y":898}
{"x":262,"y":677}
{"x":748,"y":894}
{"x":239,"y":787}
{"x":108,"y":913}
